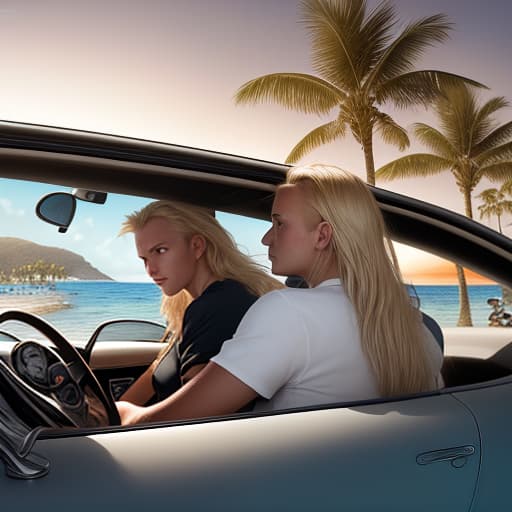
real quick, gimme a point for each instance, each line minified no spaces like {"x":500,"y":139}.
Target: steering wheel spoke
{"x":78,"y":372}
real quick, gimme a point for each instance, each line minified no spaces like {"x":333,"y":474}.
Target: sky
{"x":168,"y":71}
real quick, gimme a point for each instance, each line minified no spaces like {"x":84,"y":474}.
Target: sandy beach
{"x":37,"y":304}
{"x":479,"y":342}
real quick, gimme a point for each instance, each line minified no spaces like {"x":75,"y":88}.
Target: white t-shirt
{"x":297,"y":347}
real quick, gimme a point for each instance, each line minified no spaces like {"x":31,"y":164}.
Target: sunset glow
{"x":419,"y":267}
{"x":442,"y":273}
{"x":163,"y":71}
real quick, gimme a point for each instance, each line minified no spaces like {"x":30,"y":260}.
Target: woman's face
{"x":293,"y":238}
{"x":170,"y":259}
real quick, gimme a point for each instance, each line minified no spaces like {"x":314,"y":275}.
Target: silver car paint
{"x":361,"y":458}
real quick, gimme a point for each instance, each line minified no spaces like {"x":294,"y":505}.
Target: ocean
{"x":93,"y":302}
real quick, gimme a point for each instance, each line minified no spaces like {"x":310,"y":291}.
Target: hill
{"x":16,"y":251}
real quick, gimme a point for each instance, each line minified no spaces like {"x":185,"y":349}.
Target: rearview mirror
{"x":57,"y":208}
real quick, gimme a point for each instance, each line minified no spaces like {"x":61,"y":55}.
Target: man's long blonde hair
{"x":222,"y":256}
{"x":390,"y":328}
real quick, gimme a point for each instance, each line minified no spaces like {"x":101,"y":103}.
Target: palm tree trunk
{"x":499,"y":223}
{"x":467,"y":202}
{"x":465,"y":310}
{"x":464,"y":306}
{"x":367,"y":144}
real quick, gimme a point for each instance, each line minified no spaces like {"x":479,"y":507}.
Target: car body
{"x":447,"y":449}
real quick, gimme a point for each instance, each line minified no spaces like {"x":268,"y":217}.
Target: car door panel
{"x":491,"y":407}
{"x":361,"y":458}
{"x":118,"y":364}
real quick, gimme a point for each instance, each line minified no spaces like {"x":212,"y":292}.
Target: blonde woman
{"x":207,"y":286}
{"x":353,"y":335}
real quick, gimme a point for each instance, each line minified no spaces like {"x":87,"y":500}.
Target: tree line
{"x":36,"y":273}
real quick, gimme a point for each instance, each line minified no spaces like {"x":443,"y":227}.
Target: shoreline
{"x":35,"y":304}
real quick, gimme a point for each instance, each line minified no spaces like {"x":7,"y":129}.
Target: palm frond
{"x":491,"y":107}
{"x":419,"y":87}
{"x":434,"y":140}
{"x":296,"y":91}
{"x":456,"y":110}
{"x":484,"y":120}
{"x":506,"y":206}
{"x":335,"y":28}
{"x":500,"y":135}
{"x":488,"y":196}
{"x":497,"y":208}
{"x":391,"y":132}
{"x":377,"y":32}
{"x":498,"y":172}
{"x":415,"y":165}
{"x":506,"y":188}
{"x":494,"y":202}
{"x":321,"y":135}
{"x":495,"y":155}
{"x":486,"y":210}
{"x":401,"y":56}
{"x":494,"y":141}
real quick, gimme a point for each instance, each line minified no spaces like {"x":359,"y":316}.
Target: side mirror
{"x":124,"y":330}
{"x":57,"y":208}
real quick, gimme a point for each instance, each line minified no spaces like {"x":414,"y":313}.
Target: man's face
{"x":167,"y":255}
{"x":291,"y":239}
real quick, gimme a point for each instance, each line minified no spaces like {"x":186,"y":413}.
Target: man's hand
{"x":212,"y":392}
{"x":129,"y":413}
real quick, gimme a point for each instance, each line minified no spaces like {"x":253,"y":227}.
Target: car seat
{"x":434,"y":328}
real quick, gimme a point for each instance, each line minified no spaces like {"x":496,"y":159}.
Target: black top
{"x":209,"y":320}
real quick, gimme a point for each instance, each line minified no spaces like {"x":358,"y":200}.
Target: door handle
{"x":457,"y":455}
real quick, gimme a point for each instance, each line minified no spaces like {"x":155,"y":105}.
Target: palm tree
{"x":62,"y":273}
{"x":469,"y":145}
{"x":361,"y":66}
{"x":39,"y":271}
{"x":495,"y":202}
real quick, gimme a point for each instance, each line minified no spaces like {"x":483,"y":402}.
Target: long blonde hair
{"x":390,"y":328}
{"x":222,"y":256}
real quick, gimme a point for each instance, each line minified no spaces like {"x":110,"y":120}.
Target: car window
{"x":88,"y":275}
{"x":248,"y":233}
{"x":74,"y":280}
{"x":433,"y":283}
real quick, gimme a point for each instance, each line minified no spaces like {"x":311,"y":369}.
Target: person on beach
{"x":352,"y":335}
{"x":207,"y":286}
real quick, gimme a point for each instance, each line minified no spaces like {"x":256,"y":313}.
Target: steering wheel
{"x":60,"y":380}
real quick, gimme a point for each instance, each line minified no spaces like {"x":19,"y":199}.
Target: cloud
{"x":89,"y":222}
{"x":77,"y":237}
{"x":104,"y":248}
{"x":7,"y":207}
{"x":117,"y":258}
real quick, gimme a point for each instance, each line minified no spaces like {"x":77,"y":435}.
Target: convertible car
{"x":442,"y":450}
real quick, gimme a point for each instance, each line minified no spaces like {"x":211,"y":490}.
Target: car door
{"x":490,"y":405}
{"x":418,"y":454}
{"x":119,"y":351}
